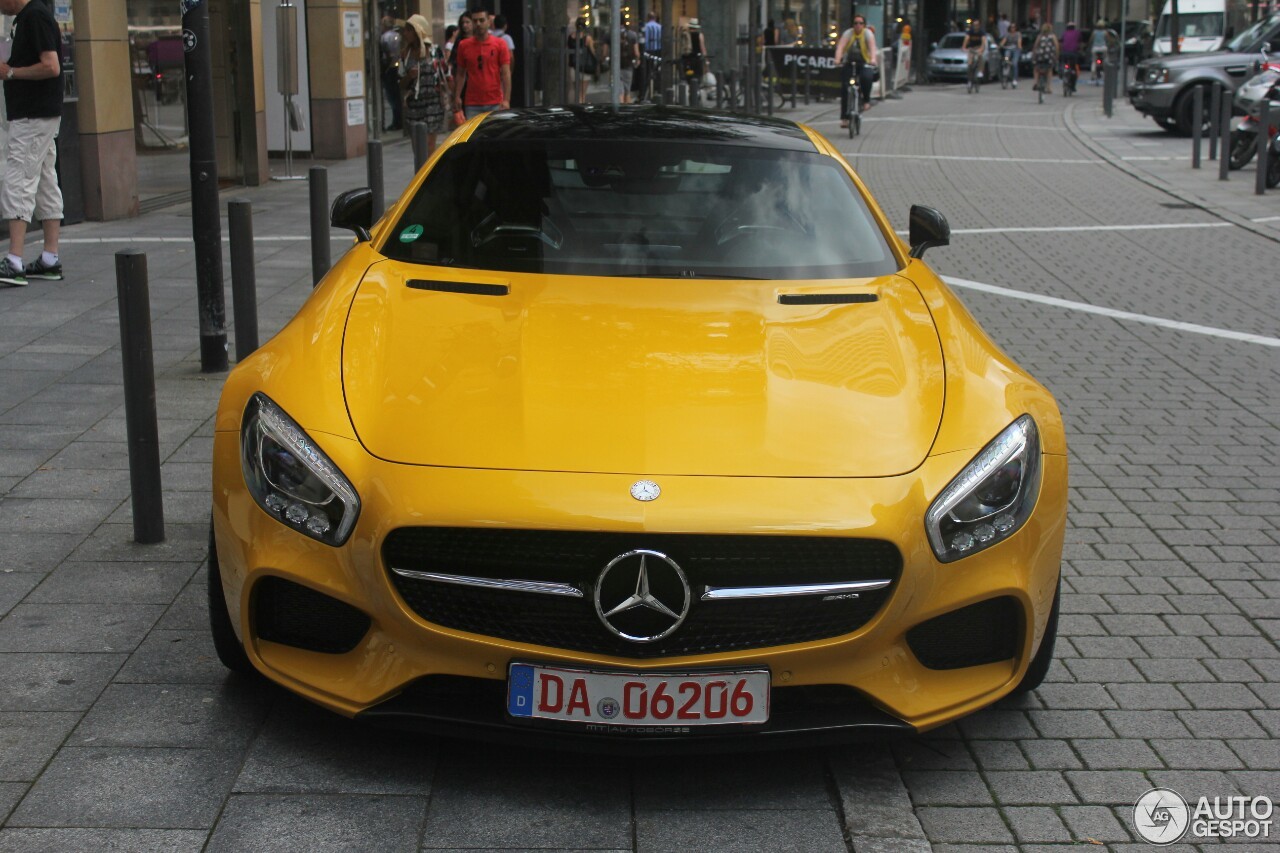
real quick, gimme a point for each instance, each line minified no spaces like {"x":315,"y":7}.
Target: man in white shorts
{"x":33,"y":100}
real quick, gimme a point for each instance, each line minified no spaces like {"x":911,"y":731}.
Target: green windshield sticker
{"x":413,"y":232}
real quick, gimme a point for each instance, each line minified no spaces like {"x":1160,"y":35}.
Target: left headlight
{"x":291,"y":478}
{"x":991,"y":498}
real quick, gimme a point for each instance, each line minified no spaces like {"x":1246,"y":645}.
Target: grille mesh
{"x":576,"y":558}
{"x":295,"y":615}
{"x":985,"y":632}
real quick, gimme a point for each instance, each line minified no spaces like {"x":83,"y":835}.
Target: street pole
{"x":206,"y":227}
{"x":615,"y":55}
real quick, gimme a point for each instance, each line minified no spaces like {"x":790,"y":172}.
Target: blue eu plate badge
{"x":520,"y":690}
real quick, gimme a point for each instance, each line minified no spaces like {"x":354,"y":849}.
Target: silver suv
{"x":1164,"y":85}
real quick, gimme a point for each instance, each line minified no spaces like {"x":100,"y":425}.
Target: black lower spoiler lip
{"x":478,"y":711}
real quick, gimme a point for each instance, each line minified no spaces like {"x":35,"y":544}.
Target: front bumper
{"x":1153,"y":99}
{"x":380,"y":676}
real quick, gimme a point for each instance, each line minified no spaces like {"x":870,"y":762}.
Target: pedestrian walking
{"x":389,"y":44}
{"x":582,"y":60}
{"x":424,"y":80}
{"x":629,"y":47}
{"x":463,"y":32}
{"x":484,"y":69}
{"x":33,"y":103}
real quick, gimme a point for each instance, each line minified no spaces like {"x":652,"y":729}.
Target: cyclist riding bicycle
{"x":975,"y":45}
{"x":1011,"y":46}
{"x":1045,"y":56}
{"x":857,"y":58}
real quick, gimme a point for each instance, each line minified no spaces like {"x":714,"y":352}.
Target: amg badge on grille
{"x":645,"y":490}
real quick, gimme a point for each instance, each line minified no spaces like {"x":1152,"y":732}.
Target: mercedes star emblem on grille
{"x":642,"y":596}
{"x":645,"y":490}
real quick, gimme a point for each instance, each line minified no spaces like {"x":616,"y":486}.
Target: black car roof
{"x":641,"y":123}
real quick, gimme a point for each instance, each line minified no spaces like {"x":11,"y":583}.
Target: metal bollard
{"x":1215,"y":108}
{"x":808,"y":75}
{"x":1108,"y":88}
{"x":1197,"y":124}
{"x":244,"y":288}
{"x":1264,"y":148}
{"x":1224,"y":131}
{"x":418,"y":134}
{"x":373,"y":164}
{"x":143,"y":434}
{"x":793,"y":85}
{"x":318,"y":177}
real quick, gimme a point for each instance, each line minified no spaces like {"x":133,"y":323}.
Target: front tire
{"x":1040,"y":664}
{"x":1183,"y":109}
{"x":225,"y":642}
{"x":1243,"y":146}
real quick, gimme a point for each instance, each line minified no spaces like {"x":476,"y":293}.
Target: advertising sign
{"x":818,"y":61}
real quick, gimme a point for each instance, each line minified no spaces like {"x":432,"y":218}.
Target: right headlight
{"x":991,"y":498}
{"x":291,"y":478}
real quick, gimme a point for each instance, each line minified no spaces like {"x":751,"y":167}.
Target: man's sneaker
{"x":46,"y":272}
{"x":10,"y":276}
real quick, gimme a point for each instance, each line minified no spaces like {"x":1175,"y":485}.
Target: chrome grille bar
{"x":725,"y":593}
{"x":542,"y":587}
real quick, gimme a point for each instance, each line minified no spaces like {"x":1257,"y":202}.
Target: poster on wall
{"x":453,"y":10}
{"x":350,"y":29}
{"x":355,"y":84}
{"x":355,"y":112}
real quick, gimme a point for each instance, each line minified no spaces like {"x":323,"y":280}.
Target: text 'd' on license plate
{"x":638,"y":698}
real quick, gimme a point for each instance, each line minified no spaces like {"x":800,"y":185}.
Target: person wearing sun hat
{"x":423,"y":79}
{"x":693,"y":56}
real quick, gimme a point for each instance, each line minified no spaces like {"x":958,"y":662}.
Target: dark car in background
{"x":1139,"y":37}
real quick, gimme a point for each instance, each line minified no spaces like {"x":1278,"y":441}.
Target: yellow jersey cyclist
{"x":856,"y":54}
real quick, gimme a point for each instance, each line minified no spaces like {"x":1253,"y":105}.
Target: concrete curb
{"x":1163,"y":186}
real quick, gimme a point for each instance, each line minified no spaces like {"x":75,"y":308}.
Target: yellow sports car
{"x":637,"y":424}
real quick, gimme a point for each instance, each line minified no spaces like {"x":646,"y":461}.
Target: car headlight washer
{"x":291,"y":478}
{"x":991,"y":498}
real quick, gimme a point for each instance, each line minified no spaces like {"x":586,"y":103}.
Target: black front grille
{"x":295,"y":615}
{"x":577,"y":558}
{"x":985,"y":632}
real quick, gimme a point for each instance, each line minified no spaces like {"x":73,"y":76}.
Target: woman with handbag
{"x":423,"y":80}
{"x":582,"y":61}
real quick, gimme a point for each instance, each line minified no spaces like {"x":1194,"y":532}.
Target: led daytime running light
{"x":1018,"y":442}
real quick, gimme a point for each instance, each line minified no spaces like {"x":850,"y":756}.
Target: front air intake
{"x":985,"y":632}
{"x":294,"y":615}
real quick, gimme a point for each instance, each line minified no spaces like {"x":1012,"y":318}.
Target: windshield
{"x":952,"y":41}
{"x":1246,"y":39}
{"x":641,"y":208}
{"x":1193,"y":25}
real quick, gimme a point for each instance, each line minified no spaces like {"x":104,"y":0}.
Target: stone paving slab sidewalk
{"x":119,"y":729}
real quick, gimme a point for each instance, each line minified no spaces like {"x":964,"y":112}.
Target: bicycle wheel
{"x":855,"y":110}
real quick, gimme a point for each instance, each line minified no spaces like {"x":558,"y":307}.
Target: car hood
{"x":948,"y":53}
{"x":643,"y":376}
{"x":1211,"y":59}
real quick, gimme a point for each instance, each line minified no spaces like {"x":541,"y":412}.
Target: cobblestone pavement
{"x":119,"y":730}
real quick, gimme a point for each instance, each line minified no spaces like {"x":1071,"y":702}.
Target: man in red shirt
{"x":484,"y":69}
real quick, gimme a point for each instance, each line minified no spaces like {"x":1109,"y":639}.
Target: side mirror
{"x":928,"y":228}
{"x":353,"y":210}
{"x":933,"y":46}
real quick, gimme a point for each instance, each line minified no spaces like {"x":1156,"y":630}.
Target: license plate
{"x":638,"y":699}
